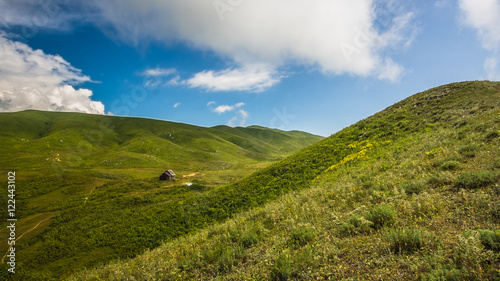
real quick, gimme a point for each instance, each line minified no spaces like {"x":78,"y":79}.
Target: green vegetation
{"x":381,"y":216}
{"x":476,"y":179}
{"x":89,"y":189}
{"x":405,"y":240}
{"x":375,"y":201}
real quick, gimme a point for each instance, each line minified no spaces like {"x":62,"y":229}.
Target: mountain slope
{"x":85,"y":180}
{"x":100,"y":142}
{"x":410,"y":193}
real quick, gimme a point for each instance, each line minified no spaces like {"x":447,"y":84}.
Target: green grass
{"x":328,"y":211}
{"x":96,"y":179}
{"x":476,"y":179}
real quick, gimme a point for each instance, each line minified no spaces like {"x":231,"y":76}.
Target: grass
{"x":405,"y":240}
{"x":476,"y":179}
{"x":380,"y":216}
{"x":372,"y":203}
{"x":337,"y":210}
{"x":98,"y":176}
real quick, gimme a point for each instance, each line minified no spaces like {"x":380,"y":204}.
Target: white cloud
{"x":274,"y":33}
{"x":31,"y":79}
{"x":241,"y":117}
{"x":483,"y":15}
{"x":492,"y":69}
{"x":253,"y":79}
{"x":37,"y":15}
{"x":158,"y":71}
{"x":391,"y":71}
{"x":177,"y":104}
{"x":243,"y":114}
{"x":223,"y":109}
{"x":62,"y":98}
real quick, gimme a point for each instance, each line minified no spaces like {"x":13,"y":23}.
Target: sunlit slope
{"x":85,"y":180}
{"x":410,"y":193}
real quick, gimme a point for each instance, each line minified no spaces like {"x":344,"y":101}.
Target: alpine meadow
{"x":410,"y":193}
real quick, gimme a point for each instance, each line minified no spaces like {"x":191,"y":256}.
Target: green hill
{"x":88,"y":189}
{"x":410,"y":193}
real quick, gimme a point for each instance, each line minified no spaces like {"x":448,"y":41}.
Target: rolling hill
{"x":86,"y":180}
{"x":410,"y":193}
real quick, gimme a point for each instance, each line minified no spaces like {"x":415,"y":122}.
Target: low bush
{"x":490,"y":239}
{"x":355,"y":225}
{"x":449,"y":165}
{"x":381,"y":216}
{"x":446,"y":273}
{"x":301,"y":237}
{"x":282,"y":268}
{"x":405,"y":241}
{"x":413,"y":186}
{"x":475,"y":179}
{"x":468,"y":150}
{"x":492,"y":135}
{"x":249,"y":238}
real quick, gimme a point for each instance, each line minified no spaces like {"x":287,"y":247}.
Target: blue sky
{"x":316,"y":66}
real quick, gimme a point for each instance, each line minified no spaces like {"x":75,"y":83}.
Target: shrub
{"x":439,"y":179}
{"x":490,"y":239}
{"x":405,"y":241}
{"x":492,"y":135}
{"x":229,"y":257}
{"x":282,"y":268}
{"x":381,"y":216}
{"x":468,"y":150}
{"x":249,"y":238}
{"x":413,"y":186}
{"x":449,"y":165}
{"x":448,"y":273}
{"x":469,"y":252}
{"x":301,"y":237}
{"x":356,"y":224}
{"x":474,"y":179}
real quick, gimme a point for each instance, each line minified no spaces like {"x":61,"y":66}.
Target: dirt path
{"x":87,"y":198}
{"x":3,"y":259}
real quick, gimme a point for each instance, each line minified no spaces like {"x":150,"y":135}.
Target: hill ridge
{"x":409,"y":193}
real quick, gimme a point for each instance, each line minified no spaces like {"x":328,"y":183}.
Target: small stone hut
{"x":167,"y":175}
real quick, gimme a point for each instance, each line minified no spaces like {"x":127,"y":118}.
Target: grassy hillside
{"x":410,"y":193}
{"x":88,"y":188}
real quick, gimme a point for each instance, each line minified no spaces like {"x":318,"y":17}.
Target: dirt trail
{"x":87,"y":198}
{"x":3,"y":258}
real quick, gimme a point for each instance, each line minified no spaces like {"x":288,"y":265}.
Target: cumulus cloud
{"x":275,"y":33}
{"x":31,"y":79}
{"x":253,"y":79}
{"x":177,"y":104}
{"x":334,"y":37}
{"x":225,"y":108}
{"x":61,"y":98}
{"x":483,"y":15}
